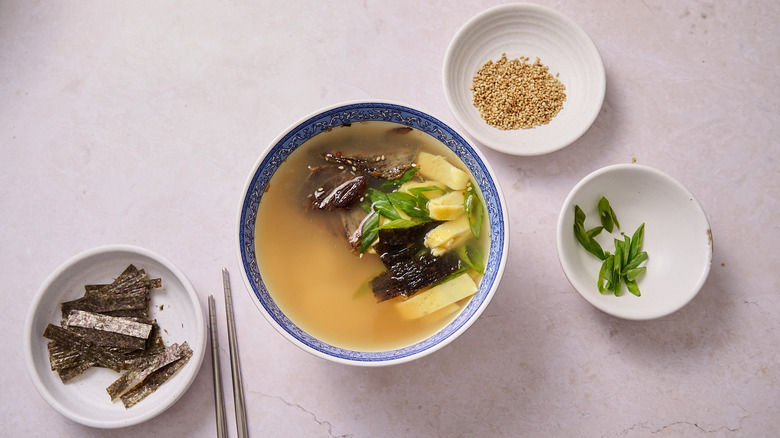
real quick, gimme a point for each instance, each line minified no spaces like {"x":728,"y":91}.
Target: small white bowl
{"x":175,"y":307}
{"x":677,"y":239}
{"x":529,"y":30}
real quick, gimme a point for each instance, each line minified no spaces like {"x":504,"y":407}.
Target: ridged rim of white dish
{"x":530,"y":30}
{"x":678,"y":239}
{"x":80,"y":400}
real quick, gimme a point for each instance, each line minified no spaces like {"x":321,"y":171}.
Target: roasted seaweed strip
{"x":123,"y":326}
{"x":143,"y":368}
{"x":130,"y":272}
{"x":68,"y":374}
{"x":90,"y":289}
{"x":109,"y":327}
{"x":131,"y":278}
{"x":129,"y":313}
{"x":61,"y":357}
{"x":136,"y":300}
{"x":156,"y":379}
{"x":116,"y":342}
{"x":72,"y":340}
{"x":66,"y":362}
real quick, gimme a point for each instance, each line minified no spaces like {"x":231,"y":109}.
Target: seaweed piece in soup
{"x":387,"y":166}
{"x":333,"y":188}
{"x":409,"y":276}
{"x":398,"y":244}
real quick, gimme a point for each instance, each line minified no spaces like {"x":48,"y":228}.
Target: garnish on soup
{"x":415,"y":214}
{"x":386,"y":208}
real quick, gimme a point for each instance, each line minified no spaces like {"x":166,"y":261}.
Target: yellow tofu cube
{"x":437,"y":297}
{"x":447,"y":235}
{"x":438,"y":168}
{"x":448,"y":207}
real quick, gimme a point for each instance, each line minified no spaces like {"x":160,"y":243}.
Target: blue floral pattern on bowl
{"x":359,"y":112}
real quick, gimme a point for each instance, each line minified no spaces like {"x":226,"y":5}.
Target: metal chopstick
{"x":235,"y":364}
{"x":219,"y":396}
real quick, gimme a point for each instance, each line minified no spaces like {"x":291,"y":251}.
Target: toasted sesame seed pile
{"x":514,"y":93}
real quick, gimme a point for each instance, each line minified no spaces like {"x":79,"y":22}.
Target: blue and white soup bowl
{"x":353,"y":112}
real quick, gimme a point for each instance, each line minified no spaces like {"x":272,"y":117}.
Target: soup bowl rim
{"x":352,"y":112}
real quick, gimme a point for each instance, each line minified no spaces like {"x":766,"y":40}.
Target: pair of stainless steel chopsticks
{"x":235,"y":365}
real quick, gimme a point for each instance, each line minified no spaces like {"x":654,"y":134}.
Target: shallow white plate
{"x":677,"y":239}
{"x":529,"y":30}
{"x":175,"y":307}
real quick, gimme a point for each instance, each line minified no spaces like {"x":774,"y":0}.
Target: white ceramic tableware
{"x":531,"y":31}
{"x":175,"y":307}
{"x":349,"y":113}
{"x":677,"y":239}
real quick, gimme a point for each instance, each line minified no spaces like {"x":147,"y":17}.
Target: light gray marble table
{"x":138,"y":122}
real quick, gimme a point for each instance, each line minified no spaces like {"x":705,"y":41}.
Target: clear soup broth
{"x":306,"y":261}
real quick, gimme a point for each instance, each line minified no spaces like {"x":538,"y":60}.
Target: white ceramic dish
{"x":529,"y":30}
{"x":677,"y":239}
{"x":355,"y":112}
{"x":175,"y":307}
